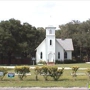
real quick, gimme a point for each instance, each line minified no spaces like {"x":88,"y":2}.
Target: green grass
{"x":61,"y":83}
{"x":81,"y":65}
{"x":65,"y":80}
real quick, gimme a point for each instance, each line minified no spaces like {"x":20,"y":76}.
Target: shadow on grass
{"x":60,"y":80}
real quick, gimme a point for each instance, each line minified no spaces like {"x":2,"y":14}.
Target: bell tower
{"x":50,"y":43}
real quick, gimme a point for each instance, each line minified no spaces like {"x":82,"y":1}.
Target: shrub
{"x":59,"y":62}
{"x":67,"y":61}
{"x":52,"y":71}
{"x":44,"y":72}
{"x":88,"y":71}
{"x":55,"y":73}
{"x":42,"y":62}
{"x":4,"y":72}
{"x":21,"y":71}
{"x":37,"y":71}
{"x":74,"y":70}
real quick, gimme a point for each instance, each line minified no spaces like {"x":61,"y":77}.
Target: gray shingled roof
{"x":66,"y":44}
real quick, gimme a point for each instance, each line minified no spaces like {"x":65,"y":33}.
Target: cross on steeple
{"x":50,"y":21}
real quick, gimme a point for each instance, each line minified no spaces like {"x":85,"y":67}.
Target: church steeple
{"x":50,"y":29}
{"x":50,"y":43}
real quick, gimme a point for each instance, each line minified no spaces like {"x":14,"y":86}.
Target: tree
{"x":19,"y":39}
{"x":80,"y":34}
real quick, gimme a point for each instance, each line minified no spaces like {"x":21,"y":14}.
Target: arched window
{"x":41,"y":55}
{"x":58,"y":55}
{"x":65,"y":55}
{"x":50,"y":42}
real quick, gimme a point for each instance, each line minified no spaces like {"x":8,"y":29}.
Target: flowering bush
{"x":52,"y":71}
{"x":55,"y":73}
{"x":21,"y":71}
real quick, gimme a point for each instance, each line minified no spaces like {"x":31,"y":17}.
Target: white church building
{"x":52,"y":48}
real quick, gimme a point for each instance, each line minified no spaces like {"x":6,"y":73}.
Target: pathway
{"x":38,"y":88}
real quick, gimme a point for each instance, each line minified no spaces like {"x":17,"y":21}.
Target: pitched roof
{"x":41,"y":43}
{"x":66,"y":43}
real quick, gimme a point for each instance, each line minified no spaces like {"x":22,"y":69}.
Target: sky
{"x":41,"y":13}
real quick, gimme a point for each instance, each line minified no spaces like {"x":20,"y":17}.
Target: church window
{"x":65,"y":55}
{"x":41,"y":55}
{"x":50,"y":42}
{"x":58,"y":55}
{"x":50,"y":31}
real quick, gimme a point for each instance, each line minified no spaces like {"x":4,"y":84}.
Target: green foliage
{"x":55,"y":73}
{"x":52,"y":71}
{"x":44,"y":72}
{"x":4,"y":71}
{"x":65,"y":61}
{"x":42,"y":62}
{"x":74,"y":70}
{"x":88,"y":73}
{"x":88,"y":70}
{"x":66,"y":79}
{"x":59,"y":62}
{"x":21,"y":71}
{"x":17,"y":39}
{"x":80,"y":34}
{"x":37,"y":71}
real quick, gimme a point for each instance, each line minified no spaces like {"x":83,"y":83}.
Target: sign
{"x":33,"y":58}
{"x":11,"y":75}
{"x":1,"y":73}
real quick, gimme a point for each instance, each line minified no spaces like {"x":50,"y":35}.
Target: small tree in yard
{"x":74,"y":70}
{"x":44,"y":72}
{"x":55,"y":73}
{"x":21,"y":71}
{"x":88,"y":73}
{"x":52,"y":71}
{"x":37,"y":72}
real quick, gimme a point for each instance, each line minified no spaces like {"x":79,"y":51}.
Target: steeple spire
{"x":50,"y":21}
{"x":50,"y":41}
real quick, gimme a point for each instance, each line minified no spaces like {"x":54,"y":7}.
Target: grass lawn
{"x":81,"y":65}
{"x":65,"y":80}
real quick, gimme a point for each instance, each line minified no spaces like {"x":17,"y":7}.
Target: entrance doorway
{"x":50,"y":57}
